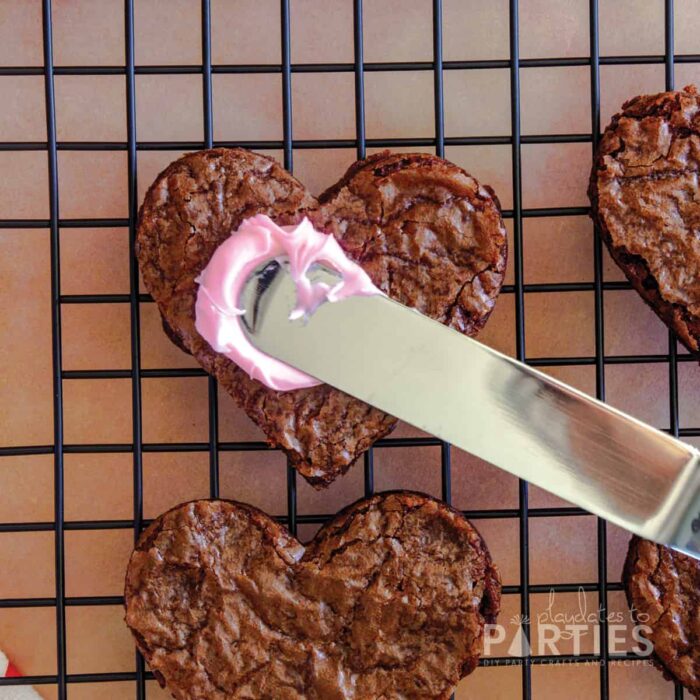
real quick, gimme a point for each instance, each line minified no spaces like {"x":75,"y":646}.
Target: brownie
{"x":426,"y":232}
{"x":644,"y":196}
{"x":388,"y":601}
{"x":663,"y":590}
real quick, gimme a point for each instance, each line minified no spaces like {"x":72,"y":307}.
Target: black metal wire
{"x":437,"y":80}
{"x":134,"y":307}
{"x":301,"y":144}
{"x":208,"y":120}
{"x":289,"y":165}
{"x":360,"y":137}
{"x":601,"y":527}
{"x":375,"y":67}
{"x":134,"y":298}
{"x":523,"y":505}
{"x":135,"y":310}
{"x":311,"y":518}
{"x":439,"y":102}
{"x":490,"y":662}
{"x":286,"y":86}
{"x":674,"y":417}
{"x":86,"y":448}
{"x":88,"y":601}
{"x":537,"y":212}
{"x":59,"y":551}
{"x":359,"y":71}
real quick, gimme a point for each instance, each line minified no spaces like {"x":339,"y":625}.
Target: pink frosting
{"x":259,"y":240}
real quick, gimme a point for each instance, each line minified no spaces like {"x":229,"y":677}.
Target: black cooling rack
{"x":62,"y":679}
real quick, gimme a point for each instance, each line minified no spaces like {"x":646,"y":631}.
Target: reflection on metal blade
{"x":492,"y":406}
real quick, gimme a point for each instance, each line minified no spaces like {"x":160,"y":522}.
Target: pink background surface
{"x":554,"y":100}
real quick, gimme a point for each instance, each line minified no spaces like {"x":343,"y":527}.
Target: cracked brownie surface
{"x":663,"y":590}
{"x":644,"y":193}
{"x":424,"y":230}
{"x":388,"y":601}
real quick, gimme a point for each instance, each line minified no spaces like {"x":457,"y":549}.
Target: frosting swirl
{"x":259,"y":240}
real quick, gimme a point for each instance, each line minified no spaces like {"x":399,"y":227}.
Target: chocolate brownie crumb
{"x":424,"y":230}
{"x":644,"y":196}
{"x":388,"y":601}
{"x":663,"y":590}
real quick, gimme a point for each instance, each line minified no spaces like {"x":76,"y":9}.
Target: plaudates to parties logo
{"x":570,"y":625}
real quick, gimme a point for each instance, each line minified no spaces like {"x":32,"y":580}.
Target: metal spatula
{"x":499,"y":409}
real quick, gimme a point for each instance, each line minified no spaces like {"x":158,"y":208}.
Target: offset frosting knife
{"x":497,"y":408}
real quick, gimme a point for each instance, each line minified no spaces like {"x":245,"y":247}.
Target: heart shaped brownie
{"x":644,"y":193}
{"x":663,"y":590}
{"x":388,"y":601}
{"x":427,"y":234}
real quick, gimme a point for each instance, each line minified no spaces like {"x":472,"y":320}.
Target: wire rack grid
{"x":523,"y":513}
